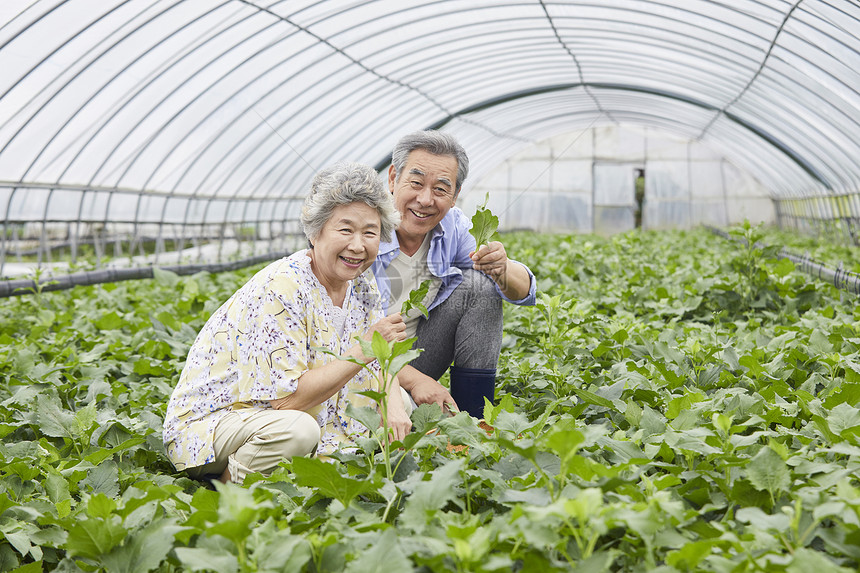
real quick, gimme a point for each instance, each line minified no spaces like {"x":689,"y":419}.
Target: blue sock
{"x":469,"y":387}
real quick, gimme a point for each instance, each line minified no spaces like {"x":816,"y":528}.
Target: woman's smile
{"x":346,"y":247}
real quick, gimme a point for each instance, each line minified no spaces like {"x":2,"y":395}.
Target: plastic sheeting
{"x":209,"y":117}
{"x":567,"y":183}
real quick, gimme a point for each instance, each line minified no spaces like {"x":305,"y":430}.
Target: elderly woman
{"x":256,"y":388}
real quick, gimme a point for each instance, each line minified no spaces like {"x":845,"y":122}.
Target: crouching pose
{"x":257,"y":388}
{"x":467,"y":285}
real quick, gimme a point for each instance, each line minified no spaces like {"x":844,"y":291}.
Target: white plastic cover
{"x":211,"y":112}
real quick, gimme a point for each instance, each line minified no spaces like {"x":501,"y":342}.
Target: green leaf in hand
{"x":416,"y":299}
{"x":484,"y":224}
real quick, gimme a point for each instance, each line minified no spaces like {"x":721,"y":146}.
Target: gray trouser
{"x":465,"y":330}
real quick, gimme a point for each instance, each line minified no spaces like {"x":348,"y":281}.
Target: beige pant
{"x":256,"y":440}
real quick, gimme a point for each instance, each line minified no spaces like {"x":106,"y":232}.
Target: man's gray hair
{"x":435,"y":142}
{"x":342,"y":184}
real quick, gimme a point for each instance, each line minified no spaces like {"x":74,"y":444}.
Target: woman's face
{"x":347,"y":244}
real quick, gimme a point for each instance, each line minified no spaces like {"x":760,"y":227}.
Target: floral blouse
{"x":255,"y":348}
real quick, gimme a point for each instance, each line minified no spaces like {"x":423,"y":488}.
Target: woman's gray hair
{"x":342,"y":184}
{"x":435,"y":142}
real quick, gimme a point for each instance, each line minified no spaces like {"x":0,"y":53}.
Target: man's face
{"x":424,"y":193}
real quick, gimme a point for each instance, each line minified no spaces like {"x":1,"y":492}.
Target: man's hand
{"x":425,"y":390}
{"x":513,"y":278}
{"x":492,"y":260}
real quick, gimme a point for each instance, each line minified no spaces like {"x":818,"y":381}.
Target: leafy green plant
{"x":390,"y":358}
{"x":647,"y":419}
{"x":484,"y":224}
{"x":416,"y":299}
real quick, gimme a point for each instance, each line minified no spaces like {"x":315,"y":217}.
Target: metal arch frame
{"x":655,"y":75}
{"x":342,"y":52}
{"x":813,"y":135}
{"x":831,"y":103}
{"x":351,"y":59}
{"x":229,"y":125}
{"x":636,"y":117}
{"x":133,"y":93}
{"x":142,"y":148}
{"x":270,"y":45}
{"x":760,"y":133}
{"x":281,"y":19}
{"x":119,"y":73}
{"x":780,"y":76}
{"x":400,"y":53}
{"x":764,"y":167}
{"x":289,"y":166}
{"x":480,"y":55}
{"x":280,"y":178}
{"x":206,"y":146}
{"x":61,"y":88}
{"x":692,"y":135}
{"x":567,"y":49}
{"x":32,"y":69}
{"x":388,"y":47}
{"x":840,"y":10}
{"x":70,"y":80}
{"x":274,"y":130}
{"x":214,"y":196}
{"x":674,"y":33}
{"x":335,"y":72}
{"x":785,"y":78}
{"x":55,"y":50}
{"x":107,"y":207}
{"x":761,"y":67}
{"x":201,"y":93}
{"x":368,"y":56}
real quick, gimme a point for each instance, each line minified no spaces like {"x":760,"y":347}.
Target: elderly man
{"x":432,"y":242}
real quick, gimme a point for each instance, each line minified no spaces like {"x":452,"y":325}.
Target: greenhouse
{"x":668,"y":191}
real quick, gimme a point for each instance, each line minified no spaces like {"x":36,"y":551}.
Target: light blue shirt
{"x":450,"y":245}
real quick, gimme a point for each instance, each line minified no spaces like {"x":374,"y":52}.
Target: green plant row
{"x":819,"y":247}
{"x":673,"y":403}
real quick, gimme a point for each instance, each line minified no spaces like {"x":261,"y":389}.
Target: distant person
{"x":432,"y":241}
{"x":255,"y":389}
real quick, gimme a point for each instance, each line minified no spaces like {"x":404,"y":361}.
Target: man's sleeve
{"x":531,"y":297}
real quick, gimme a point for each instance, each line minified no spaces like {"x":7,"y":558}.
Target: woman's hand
{"x":392,"y":328}
{"x":399,"y":423}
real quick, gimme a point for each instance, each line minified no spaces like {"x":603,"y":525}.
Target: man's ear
{"x":392,"y":176}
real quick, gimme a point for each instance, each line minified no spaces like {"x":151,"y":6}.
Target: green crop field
{"x":675,"y":402}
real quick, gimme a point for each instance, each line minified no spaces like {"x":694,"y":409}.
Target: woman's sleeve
{"x":273,"y":348}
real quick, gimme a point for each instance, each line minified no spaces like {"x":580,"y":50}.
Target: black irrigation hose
{"x":29,"y":286}
{"x":838,"y":277}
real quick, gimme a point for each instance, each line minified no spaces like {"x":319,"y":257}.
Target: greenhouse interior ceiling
{"x":145,"y":128}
